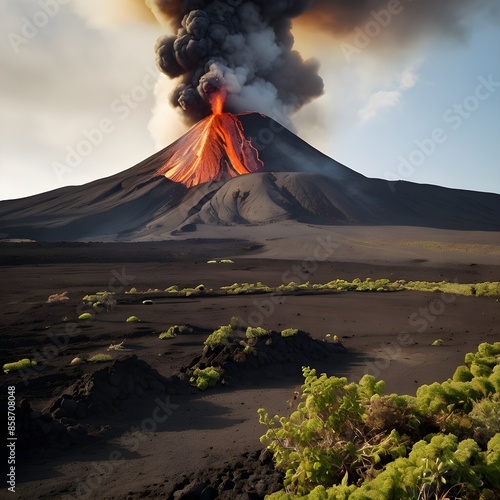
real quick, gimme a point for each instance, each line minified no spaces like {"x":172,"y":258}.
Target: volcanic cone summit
{"x":215,"y":149}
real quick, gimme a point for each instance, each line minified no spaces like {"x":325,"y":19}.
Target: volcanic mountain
{"x":238,"y":169}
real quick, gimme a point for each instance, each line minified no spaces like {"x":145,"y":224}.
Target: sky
{"x":78,"y":103}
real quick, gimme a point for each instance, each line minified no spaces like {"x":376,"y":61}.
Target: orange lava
{"x":214,"y":149}
{"x":217,"y":102}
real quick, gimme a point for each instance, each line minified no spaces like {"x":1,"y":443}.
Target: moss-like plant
{"x":100,"y":358}
{"x":219,"y":337}
{"x":438,"y":342}
{"x":250,"y":350}
{"x":289,"y":332}
{"x":254,"y":332}
{"x":207,"y":377}
{"x":22,"y":364}
{"x":85,"y":317}
{"x":133,"y":319}
{"x":171,"y":333}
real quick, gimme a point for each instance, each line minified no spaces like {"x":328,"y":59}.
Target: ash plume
{"x":241,"y":45}
{"x":416,"y":19}
{"x":247,"y":46}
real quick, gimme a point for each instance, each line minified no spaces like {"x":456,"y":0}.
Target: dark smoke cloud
{"x":418,"y":18}
{"x":244,"y":46}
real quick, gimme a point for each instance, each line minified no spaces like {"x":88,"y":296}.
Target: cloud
{"x":385,"y":99}
{"x":409,"y":78}
{"x":378,"y":101}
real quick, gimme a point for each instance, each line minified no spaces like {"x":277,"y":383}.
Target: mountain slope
{"x":287,"y":179}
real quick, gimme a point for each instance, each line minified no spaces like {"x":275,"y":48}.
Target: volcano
{"x":238,"y":169}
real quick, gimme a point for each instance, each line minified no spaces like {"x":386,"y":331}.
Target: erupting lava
{"x":214,"y":149}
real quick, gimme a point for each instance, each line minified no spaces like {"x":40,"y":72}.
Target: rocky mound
{"x":122,"y":386}
{"x":252,"y":477}
{"x":35,"y":428}
{"x":279,"y":355}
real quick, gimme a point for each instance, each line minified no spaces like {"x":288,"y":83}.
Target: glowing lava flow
{"x":214,"y":149}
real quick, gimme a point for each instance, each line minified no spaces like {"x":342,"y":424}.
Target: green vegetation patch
{"x":488,"y":289}
{"x":257,"y":331}
{"x":22,"y":364}
{"x":351,"y":441}
{"x":132,"y":319}
{"x":206,"y":377}
{"x":100,"y":358}
{"x":85,"y":317}
{"x":220,"y":337}
{"x":171,"y":333}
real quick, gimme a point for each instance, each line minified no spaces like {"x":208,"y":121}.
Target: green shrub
{"x":350,"y":441}
{"x":100,"y":358}
{"x":438,"y":342}
{"x":289,"y":332}
{"x":207,"y":377}
{"x":22,"y":364}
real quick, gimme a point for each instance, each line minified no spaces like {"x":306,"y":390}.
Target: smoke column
{"x":244,"y":46}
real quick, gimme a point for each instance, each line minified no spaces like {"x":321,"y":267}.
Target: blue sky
{"x":378,"y":116}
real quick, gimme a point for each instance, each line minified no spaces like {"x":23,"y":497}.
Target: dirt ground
{"x":388,"y":335}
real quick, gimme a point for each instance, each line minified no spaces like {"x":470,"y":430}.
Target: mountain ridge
{"x":293,"y":182}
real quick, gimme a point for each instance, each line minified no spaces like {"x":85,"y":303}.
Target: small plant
{"x":438,"y":342}
{"x":22,"y":364}
{"x":234,"y":322}
{"x":106,"y":300}
{"x":85,"y":317}
{"x":132,"y":290}
{"x":171,"y":333}
{"x":118,"y":347}
{"x":254,"y":332}
{"x":100,"y":358}
{"x":203,"y":378}
{"x":219,"y":337}
{"x":133,"y":319}
{"x":250,"y":350}
{"x":57,"y":297}
{"x":289,"y":332}
{"x":212,"y":262}
{"x":227,"y":261}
